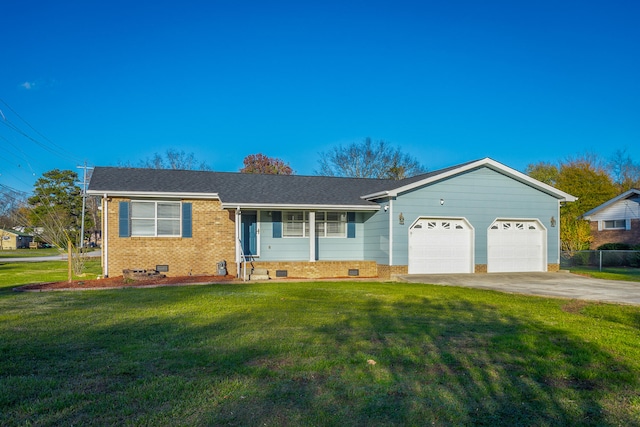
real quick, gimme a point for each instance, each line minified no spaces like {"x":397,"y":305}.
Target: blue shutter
{"x":276,"y":219}
{"x":351,"y":225}
{"x":186,"y":220}
{"x":124,"y":230}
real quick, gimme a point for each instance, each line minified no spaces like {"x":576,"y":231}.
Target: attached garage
{"x":441,"y":245}
{"x":516,"y":245}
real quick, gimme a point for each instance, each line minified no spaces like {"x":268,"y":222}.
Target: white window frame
{"x":614,"y":221}
{"x":155,"y":219}
{"x":322,"y":221}
{"x":288,"y":229}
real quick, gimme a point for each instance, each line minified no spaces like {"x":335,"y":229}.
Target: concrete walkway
{"x":561,"y":284}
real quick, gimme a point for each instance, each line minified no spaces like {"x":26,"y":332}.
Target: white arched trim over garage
{"x":515,"y":245}
{"x":441,"y":245}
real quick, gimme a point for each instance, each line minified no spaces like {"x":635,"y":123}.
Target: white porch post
{"x":105,"y":236}
{"x":312,"y":236}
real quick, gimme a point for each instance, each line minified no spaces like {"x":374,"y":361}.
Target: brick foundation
{"x":318,"y":269}
{"x":480,"y":268}
{"x":388,"y":271}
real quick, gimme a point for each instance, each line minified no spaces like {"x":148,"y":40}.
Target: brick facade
{"x":388,"y":271}
{"x":631,"y":237}
{"x":213,"y":241}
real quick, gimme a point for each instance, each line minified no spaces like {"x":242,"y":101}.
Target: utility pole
{"x":84,"y":197}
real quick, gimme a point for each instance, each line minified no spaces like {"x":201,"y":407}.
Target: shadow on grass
{"x":243,"y":356}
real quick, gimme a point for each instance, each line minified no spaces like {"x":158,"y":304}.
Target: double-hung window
{"x":155,"y":218}
{"x":331,"y":224}
{"x":328,"y":224}
{"x":294,"y":224}
{"x":615,"y":224}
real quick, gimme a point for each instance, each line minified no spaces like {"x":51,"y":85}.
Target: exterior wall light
{"x":386,"y":208}
{"x":553,"y":221}
{"x":401,"y":219}
{"x":441,"y":202}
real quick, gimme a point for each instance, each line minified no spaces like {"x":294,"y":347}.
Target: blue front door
{"x":249,"y":237}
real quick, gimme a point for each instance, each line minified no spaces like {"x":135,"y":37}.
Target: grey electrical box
{"x":222,"y":268}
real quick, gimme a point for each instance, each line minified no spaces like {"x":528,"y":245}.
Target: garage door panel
{"x":516,"y":246}
{"x":440,"y":245}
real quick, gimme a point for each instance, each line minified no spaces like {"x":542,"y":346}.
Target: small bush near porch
{"x":326,"y":353}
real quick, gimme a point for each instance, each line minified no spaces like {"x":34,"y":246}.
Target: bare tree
{"x":368,"y":159}
{"x":11,"y":203}
{"x":11,"y":200}
{"x":624,"y":171}
{"x":171,"y":159}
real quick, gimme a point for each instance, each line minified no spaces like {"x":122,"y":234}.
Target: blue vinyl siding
{"x":344,"y":248}
{"x":280,"y":248}
{"x":480,"y":196}
{"x":297,"y":248}
{"x":376,"y":239}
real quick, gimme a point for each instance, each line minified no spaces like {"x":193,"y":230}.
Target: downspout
{"x":390,"y":231}
{"x":105,"y":237}
{"x":559,"y":239}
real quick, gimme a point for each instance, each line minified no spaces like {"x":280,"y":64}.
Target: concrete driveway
{"x":561,"y":284}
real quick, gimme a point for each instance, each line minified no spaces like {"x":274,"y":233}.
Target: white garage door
{"x":440,"y":245}
{"x":516,"y":245}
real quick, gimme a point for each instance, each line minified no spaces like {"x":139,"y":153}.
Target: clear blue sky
{"x":447,"y":81}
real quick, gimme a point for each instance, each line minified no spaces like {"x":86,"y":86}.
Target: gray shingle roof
{"x":238,"y":188}
{"x":250,"y":189}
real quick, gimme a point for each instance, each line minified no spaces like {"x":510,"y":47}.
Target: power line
{"x":50,"y":146}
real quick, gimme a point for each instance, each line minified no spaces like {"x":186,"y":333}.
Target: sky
{"x":111,"y":83}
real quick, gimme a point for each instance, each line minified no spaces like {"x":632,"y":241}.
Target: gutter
{"x":275,"y":207}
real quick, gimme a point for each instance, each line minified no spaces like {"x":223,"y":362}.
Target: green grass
{"x":22,"y":273}
{"x":302,"y":354}
{"x":610,"y":273}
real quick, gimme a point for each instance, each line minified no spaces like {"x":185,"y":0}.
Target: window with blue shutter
{"x":124,"y":230}
{"x":351,"y":225}
{"x":276,"y":219}
{"x":187,"y":220}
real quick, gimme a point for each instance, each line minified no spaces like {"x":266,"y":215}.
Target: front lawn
{"x":326,"y":353}
{"x":609,"y":273}
{"x":21,"y":273}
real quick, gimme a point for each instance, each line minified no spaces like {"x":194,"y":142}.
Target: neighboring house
{"x":12,"y":239}
{"x":476,"y":217}
{"x":617,"y":220}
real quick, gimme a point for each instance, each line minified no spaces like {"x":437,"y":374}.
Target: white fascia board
{"x":608,"y":203}
{"x":269,"y":206}
{"x":155,"y":194}
{"x":374,"y":196}
{"x":492,"y":164}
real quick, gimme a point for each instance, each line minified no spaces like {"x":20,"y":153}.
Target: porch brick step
{"x":259,"y":277}
{"x":260,"y":272}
